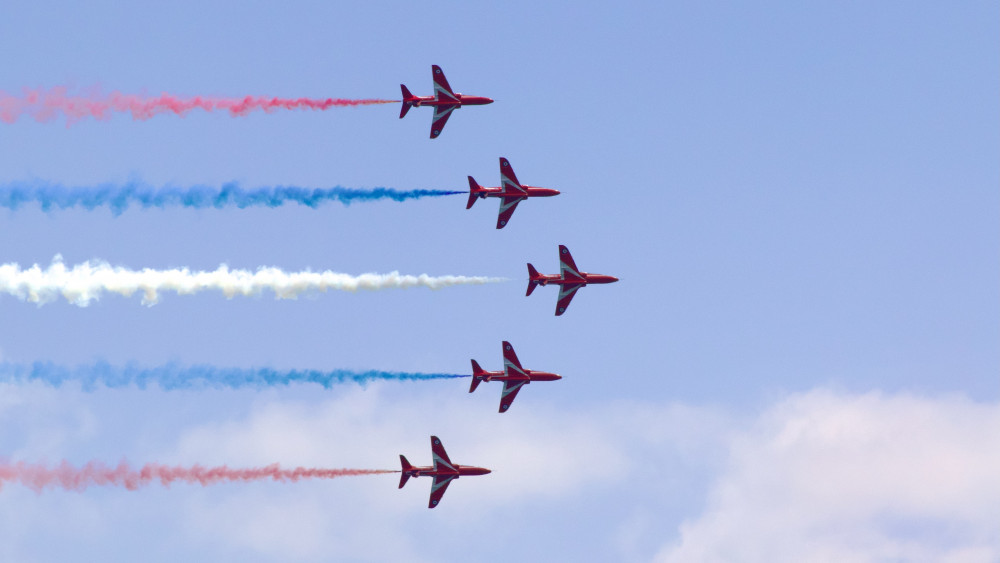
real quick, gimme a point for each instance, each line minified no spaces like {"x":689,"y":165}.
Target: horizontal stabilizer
{"x":477,"y":373}
{"x":532,"y":275}
{"x":407,"y":96}
{"x":473,"y":192}
{"x":406,"y":467}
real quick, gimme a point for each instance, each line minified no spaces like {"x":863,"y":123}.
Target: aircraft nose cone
{"x":613,"y":279}
{"x":489,"y":100}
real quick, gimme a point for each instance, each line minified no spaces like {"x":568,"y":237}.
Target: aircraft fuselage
{"x":417,"y":101}
{"x":555,"y":279}
{"x":459,"y":471}
{"x":532,"y":191}
{"x":528,"y":377}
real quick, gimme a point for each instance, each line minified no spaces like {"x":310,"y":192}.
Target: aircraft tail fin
{"x":477,"y":373}
{"x":406,"y":467}
{"x":532,"y":276}
{"x":474,"y":190}
{"x":407,"y":97}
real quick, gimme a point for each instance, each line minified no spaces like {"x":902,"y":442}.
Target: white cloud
{"x":540,"y":458}
{"x":541,"y":454}
{"x":44,"y":423}
{"x":823,"y":476}
{"x":816,"y":476}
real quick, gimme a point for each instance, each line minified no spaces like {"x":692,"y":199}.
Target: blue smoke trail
{"x":119,"y":197}
{"x":175,"y":376}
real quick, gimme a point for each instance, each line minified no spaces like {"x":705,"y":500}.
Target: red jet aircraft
{"x":513,"y":376}
{"x":443,"y":471}
{"x":569,"y":279}
{"x":510,"y":191}
{"x":444,"y":101}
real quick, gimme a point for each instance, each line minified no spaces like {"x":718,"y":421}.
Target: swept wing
{"x":566,"y":293}
{"x":442,"y":90}
{"x":441,"y":115}
{"x":567,"y":267}
{"x":438,"y":487}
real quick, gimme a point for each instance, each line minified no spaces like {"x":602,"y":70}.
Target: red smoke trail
{"x":44,"y":105}
{"x":39,"y":477}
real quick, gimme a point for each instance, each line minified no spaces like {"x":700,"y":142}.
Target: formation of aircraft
{"x":443,"y":471}
{"x":513,"y":376}
{"x":569,"y":279}
{"x":444,"y":101}
{"x":511,"y":192}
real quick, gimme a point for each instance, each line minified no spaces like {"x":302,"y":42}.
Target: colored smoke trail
{"x":39,"y":477}
{"x":86,"y":282}
{"x":44,"y":105}
{"x":119,"y":197}
{"x":172,"y":376}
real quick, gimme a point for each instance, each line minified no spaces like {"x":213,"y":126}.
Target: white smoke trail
{"x":86,"y":282}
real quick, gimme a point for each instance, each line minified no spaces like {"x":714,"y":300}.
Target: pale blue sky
{"x":795,"y":197}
